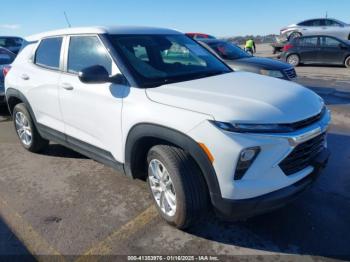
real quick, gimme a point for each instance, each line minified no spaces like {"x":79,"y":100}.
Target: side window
{"x":85,"y":51}
{"x":309,"y":42}
{"x":307,"y":23}
{"x":48,"y":53}
{"x":329,"y":22}
{"x":330,"y":42}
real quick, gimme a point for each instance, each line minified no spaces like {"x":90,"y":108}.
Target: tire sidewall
{"x":175,"y":176}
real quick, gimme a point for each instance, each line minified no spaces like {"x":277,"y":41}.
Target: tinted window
{"x":228,"y":51}
{"x":309,"y":41}
{"x":86,"y":51}
{"x":161,"y":59}
{"x":8,"y":42}
{"x":331,"y":23}
{"x":48,"y":53}
{"x":330,"y":42}
{"x":315,"y":22}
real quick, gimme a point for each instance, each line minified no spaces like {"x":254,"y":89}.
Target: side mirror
{"x":94,"y":75}
{"x":97,"y":74}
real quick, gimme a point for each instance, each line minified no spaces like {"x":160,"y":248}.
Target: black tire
{"x":294,"y":35}
{"x":347,"y":62}
{"x":37,"y":142}
{"x":293,"y":60}
{"x":188,"y":183}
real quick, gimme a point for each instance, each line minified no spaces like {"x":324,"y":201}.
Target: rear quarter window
{"x":48,"y":53}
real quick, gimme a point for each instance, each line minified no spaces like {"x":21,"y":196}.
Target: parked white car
{"x":203,"y":135}
{"x":321,"y":26}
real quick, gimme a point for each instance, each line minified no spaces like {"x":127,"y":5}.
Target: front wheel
{"x":26,"y":130}
{"x":293,"y":36}
{"x":347,"y":62}
{"x":177,"y":185}
{"x":293,"y":60}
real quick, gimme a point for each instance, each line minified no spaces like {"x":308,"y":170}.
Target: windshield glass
{"x":155,"y":60}
{"x":228,"y":51}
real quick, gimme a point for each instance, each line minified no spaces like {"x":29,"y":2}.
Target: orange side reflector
{"x":207,"y":152}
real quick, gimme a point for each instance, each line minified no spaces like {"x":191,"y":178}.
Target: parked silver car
{"x":321,"y":26}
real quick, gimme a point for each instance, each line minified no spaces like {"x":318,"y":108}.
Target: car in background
{"x":239,"y":60}
{"x":200,"y":36}
{"x":321,"y":26}
{"x":6,"y":58}
{"x":325,"y":50}
{"x":11,"y":43}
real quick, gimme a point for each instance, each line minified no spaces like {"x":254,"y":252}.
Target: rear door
{"x":40,"y":79}
{"x":309,"y":49}
{"x":336,"y":29}
{"x":332,"y":53}
{"x":312,"y":27}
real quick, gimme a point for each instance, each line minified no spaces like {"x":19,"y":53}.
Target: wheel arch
{"x":14,"y":97}
{"x":294,"y":31}
{"x":145,"y":135}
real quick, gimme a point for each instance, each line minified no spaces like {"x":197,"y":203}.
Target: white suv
{"x":154,"y":104}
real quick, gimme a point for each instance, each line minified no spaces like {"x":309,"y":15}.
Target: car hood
{"x":262,"y":63}
{"x":241,"y":96}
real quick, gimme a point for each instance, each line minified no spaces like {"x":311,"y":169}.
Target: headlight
{"x":272,"y":73}
{"x":253,"y":128}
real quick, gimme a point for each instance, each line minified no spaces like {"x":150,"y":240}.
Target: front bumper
{"x":245,"y":208}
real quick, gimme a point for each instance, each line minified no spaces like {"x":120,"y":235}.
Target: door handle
{"x":25,"y":77}
{"x":67,"y":86}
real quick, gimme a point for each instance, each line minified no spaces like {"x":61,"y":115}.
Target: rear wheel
{"x":293,"y":60}
{"x":177,"y":185}
{"x":347,"y":62}
{"x":26,"y":130}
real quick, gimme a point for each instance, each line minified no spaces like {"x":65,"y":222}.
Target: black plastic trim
{"x":81,"y":147}
{"x":147,"y":130}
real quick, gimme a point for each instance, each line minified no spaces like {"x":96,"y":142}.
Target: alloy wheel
{"x":23,"y":128}
{"x":162,"y":187}
{"x":293,"y":60}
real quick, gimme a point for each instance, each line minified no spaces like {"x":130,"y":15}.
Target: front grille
{"x":302,"y":156}
{"x":291,"y":74}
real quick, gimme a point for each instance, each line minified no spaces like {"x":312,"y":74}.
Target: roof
{"x":122,"y":30}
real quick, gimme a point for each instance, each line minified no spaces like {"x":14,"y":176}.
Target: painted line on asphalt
{"x":104,"y":247}
{"x":33,"y":241}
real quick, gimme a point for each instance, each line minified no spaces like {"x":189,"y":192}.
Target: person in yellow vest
{"x":250,"y":46}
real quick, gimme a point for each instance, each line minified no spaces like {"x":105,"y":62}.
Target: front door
{"x":91,"y":112}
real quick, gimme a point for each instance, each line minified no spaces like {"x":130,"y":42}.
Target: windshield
{"x":155,"y":60}
{"x":228,"y":51}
